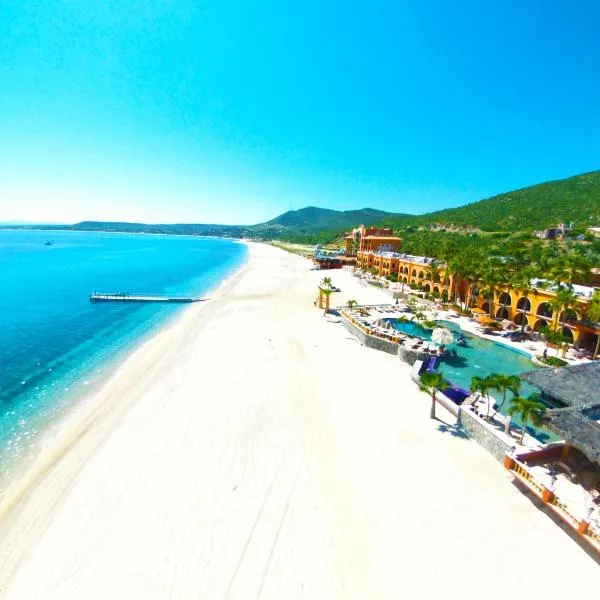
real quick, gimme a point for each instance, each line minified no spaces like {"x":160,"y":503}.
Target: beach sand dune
{"x":254,"y":450}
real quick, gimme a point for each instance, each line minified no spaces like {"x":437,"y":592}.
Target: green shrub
{"x":552,"y":361}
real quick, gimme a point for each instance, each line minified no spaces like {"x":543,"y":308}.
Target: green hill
{"x":312,"y":218}
{"x":574,"y":199}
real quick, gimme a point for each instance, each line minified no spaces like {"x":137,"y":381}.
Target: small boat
{"x":48,"y":243}
{"x":461,"y":340}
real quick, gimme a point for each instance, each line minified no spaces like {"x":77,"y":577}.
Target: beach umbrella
{"x":478,"y":311}
{"x":442,"y":336}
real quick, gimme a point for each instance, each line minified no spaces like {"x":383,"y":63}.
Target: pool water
{"x":478,"y":358}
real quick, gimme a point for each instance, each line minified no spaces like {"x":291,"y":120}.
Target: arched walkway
{"x":485,"y":306}
{"x":544,"y":310}
{"x":521,"y":319}
{"x":571,"y":315}
{"x":502,"y":313}
{"x":568,"y":334}
{"x":504,"y":299}
{"x":436,"y":291}
{"x":426,"y":288}
{"x":523,"y":303}
{"x":540,"y":324}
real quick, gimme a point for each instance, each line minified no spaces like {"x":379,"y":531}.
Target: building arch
{"x":421,"y":275}
{"x":540,"y":324}
{"x":485,"y":306}
{"x":544,"y":310}
{"x":568,"y":334}
{"x":414,"y":273}
{"x":571,"y":315}
{"x":524,"y":304}
{"x":504,"y":299}
{"x":502,"y":313}
{"x":426,"y":288}
{"x":436,"y":291}
{"x":521,"y":319}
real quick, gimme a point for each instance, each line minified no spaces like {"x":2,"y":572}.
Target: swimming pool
{"x":478,"y":358}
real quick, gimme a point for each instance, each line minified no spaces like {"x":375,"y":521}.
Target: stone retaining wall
{"x":483,"y":434}
{"x":371,"y":341}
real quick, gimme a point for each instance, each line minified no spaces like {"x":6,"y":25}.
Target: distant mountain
{"x":312,"y":218}
{"x":574,"y":199}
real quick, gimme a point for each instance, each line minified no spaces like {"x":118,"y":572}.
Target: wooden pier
{"x":125,"y":297}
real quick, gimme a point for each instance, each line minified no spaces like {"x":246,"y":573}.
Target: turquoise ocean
{"x":56,"y":347}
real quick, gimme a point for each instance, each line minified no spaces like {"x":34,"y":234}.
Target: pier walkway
{"x":125,"y":297}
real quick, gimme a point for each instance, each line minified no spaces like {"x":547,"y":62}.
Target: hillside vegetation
{"x":574,"y":199}
{"x":312,"y":218}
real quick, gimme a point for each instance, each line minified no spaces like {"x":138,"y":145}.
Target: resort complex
{"x":479,"y":346}
{"x":542,"y":304}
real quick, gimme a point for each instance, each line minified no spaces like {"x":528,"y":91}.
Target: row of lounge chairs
{"x":394,"y":308}
{"x":413,"y":343}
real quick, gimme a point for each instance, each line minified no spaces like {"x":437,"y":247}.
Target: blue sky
{"x":233,"y":112}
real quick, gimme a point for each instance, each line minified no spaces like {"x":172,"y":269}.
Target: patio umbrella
{"x":478,"y":311}
{"x":441,"y":336}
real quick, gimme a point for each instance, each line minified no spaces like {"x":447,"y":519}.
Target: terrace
{"x":567,"y":476}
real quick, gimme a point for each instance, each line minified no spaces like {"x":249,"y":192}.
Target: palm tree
{"x":593,"y":315}
{"x":352,"y":304}
{"x":473,"y":274}
{"x":504,"y":384}
{"x":493,"y":275}
{"x":433,"y":271}
{"x":523,"y":281}
{"x":553,"y":336}
{"x":431,"y":383}
{"x":530,"y":409}
{"x":576,"y":268}
{"x":326,"y":282}
{"x":565,"y":299}
{"x":483,"y":386}
{"x":457,"y":269}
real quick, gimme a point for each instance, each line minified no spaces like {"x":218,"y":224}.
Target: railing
{"x":593,"y":534}
{"x":588,"y":531}
{"x":522,"y":471}
{"x":562,"y":507}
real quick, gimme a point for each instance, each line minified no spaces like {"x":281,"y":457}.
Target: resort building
{"x":416,"y":271}
{"x":535,"y":310}
{"x":371,"y":239}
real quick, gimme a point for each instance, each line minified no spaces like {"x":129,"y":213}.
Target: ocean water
{"x":56,"y":346}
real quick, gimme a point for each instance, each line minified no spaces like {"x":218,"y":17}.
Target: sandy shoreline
{"x":254,"y":450}
{"x":52,"y":432}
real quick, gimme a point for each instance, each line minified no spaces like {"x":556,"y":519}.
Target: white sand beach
{"x":255,"y":450}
